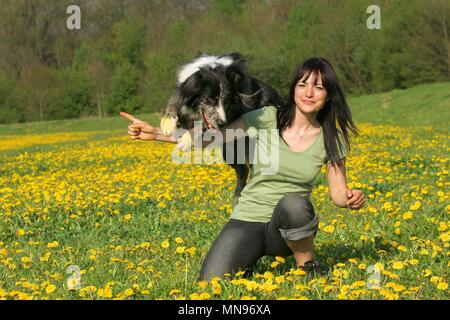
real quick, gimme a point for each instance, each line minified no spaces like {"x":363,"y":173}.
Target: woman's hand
{"x":356,"y":199}
{"x":141,"y":130}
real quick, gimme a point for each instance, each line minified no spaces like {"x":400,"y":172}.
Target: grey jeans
{"x":241,"y":243}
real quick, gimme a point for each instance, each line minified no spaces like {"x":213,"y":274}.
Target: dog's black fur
{"x":218,"y":90}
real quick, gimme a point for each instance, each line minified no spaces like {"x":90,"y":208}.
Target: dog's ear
{"x":237,"y":71}
{"x":192,"y":86}
{"x":235,"y":56}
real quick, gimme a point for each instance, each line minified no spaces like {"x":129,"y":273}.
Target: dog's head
{"x":210,"y":95}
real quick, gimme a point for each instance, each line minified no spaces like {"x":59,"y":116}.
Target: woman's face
{"x":310,"y":94}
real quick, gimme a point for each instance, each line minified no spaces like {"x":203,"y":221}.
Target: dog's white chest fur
{"x":194,"y":66}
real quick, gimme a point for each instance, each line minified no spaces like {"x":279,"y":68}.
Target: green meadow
{"x":86,"y":213}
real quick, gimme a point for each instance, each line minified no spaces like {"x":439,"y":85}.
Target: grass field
{"x":85,"y":213}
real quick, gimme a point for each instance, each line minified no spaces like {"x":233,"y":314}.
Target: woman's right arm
{"x":141,"y":130}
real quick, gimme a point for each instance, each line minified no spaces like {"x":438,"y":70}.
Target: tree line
{"x":127,"y":52}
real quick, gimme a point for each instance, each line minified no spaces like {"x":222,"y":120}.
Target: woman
{"x":274,"y":215}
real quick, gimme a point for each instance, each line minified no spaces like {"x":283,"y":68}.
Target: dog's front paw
{"x":168,"y":125}
{"x":185,"y":142}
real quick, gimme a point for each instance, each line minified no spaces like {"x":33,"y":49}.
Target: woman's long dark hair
{"x":334,"y":111}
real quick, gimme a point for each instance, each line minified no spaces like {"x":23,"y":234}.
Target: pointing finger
{"x":127,"y":116}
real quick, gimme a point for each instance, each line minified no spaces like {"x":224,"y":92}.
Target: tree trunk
{"x":41,"y":111}
{"x":99,"y":106}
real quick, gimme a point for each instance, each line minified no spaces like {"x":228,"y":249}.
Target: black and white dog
{"x":216,"y":90}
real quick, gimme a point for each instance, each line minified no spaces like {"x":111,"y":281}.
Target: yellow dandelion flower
{"x":165,"y":244}
{"x":174,"y":292}
{"x":179,"y":240}
{"x":362,"y":266}
{"x":45,"y":256}
{"x":145,"y":245}
{"x":328,"y":289}
{"x":328,"y":229}
{"x":402,"y":248}
{"x":442,"y":286}
{"x":398,"y":288}
{"x":203,"y":284}
{"x":239,"y":274}
{"x":407,"y":215}
{"x":353,"y":260}
{"x":413,"y":262}
{"x":426,"y":272}
{"x":358,"y":284}
{"x":100,"y":292}
{"x":445,"y":237}
{"x":398,"y":265}
{"x":435,"y":279}
{"x":279,"y":279}
{"x":25,"y":259}
{"x":397,"y":231}
{"x":204,"y":295}
{"x":129,"y":292}
{"x":274,"y":264}
{"x":379,"y":266}
{"x":191,"y":250}
{"x":53,"y":244}
{"x":162,"y":205}
{"x":415,"y":206}
{"x":387,"y":206}
{"x":251,"y":285}
{"x":180,"y":250}
{"x":195,"y":296}
{"x":20,"y":232}
{"x":280,"y":259}
{"x":127,"y":218}
{"x":217,"y":289}
{"x":299,"y":272}
{"x":107,"y":291}
{"x":50,"y":288}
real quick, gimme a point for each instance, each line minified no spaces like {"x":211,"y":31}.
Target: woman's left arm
{"x":340,"y":194}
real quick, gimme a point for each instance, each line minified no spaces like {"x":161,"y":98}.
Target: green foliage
{"x":9,"y":113}
{"x":124,"y":90}
{"x":72,"y":94}
{"x":128,"y":53}
{"x":228,"y":7}
{"x":129,"y":36}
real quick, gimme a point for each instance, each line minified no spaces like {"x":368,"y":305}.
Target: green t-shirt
{"x":276,"y":173}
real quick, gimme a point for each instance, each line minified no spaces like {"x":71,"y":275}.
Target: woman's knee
{"x":230,"y":254}
{"x":294,"y":211}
